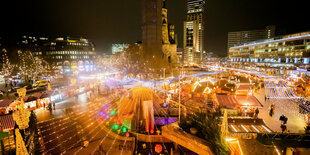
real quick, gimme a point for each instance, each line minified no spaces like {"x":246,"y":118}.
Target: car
{"x":28,"y":87}
{"x":1,"y":93}
{"x":40,"y":83}
{"x":14,"y":89}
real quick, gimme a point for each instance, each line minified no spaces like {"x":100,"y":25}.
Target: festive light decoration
{"x":158,"y":148}
{"x":20,"y":145}
{"x":124,"y":129}
{"x":224,"y":127}
{"x":31,"y":66}
{"x":92,"y":131}
{"x":21,"y":116}
{"x":7,"y":68}
{"x":115,"y":126}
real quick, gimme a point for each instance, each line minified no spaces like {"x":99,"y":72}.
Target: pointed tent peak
{"x":224,"y":128}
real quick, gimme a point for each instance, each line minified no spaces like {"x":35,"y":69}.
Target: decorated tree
{"x":34,"y":147}
{"x":30,"y":66}
{"x":206,"y":125}
{"x":6,"y":66}
{"x":138,"y":62}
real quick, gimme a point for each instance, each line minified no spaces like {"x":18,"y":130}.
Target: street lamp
{"x":180,"y":94}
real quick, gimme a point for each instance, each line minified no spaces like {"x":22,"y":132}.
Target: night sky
{"x":115,"y":21}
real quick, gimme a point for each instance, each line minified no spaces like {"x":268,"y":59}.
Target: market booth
{"x":7,"y":125}
{"x":37,"y":100}
{"x":238,"y":104}
{"x":5,"y":106}
{"x":244,"y":89}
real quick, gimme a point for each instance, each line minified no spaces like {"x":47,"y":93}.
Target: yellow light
{"x":230,"y":139}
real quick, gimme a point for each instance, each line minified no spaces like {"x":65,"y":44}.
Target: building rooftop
{"x":276,"y":39}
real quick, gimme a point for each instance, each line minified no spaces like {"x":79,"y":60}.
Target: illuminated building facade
{"x":241,"y":37}
{"x":119,"y":48}
{"x":63,"y":53}
{"x":194,"y":31}
{"x":290,"y":49}
{"x":169,"y":45}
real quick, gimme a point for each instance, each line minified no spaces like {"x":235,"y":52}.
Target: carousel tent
{"x":138,"y":105}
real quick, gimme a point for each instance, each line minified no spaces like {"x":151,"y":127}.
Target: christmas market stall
{"x":238,"y":104}
{"x":5,"y":106}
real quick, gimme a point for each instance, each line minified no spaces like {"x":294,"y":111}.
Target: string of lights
{"x":98,"y":132}
{"x":93,"y":112}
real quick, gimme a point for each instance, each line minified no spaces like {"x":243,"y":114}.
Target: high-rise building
{"x":194,"y":31}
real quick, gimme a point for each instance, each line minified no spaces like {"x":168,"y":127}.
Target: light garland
{"x":20,"y":145}
{"x":21,"y":116}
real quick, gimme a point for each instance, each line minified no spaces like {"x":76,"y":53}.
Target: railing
{"x":174,"y":133}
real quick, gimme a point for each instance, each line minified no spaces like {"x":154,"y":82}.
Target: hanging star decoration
{"x":21,"y":115}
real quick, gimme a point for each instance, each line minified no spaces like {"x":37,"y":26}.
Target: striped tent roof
{"x":37,"y":95}
{"x":244,"y":88}
{"x":232,"y":101}
{"x":5,"y":103}
{"x":248,"y":100}
{"x":7,"y":122}
{"x":228,"y":101}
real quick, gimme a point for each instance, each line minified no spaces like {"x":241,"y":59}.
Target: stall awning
{"x":248,"y":101}
{"x":7,"y":122}
{"x":5,"y":103}
{"x":37,"y":95}
{"x":228,"y":101}
{"x":244,"y":88}
{"x":232,"y":101}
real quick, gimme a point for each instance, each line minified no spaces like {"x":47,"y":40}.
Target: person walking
{"x":283,"y":127}
{"x":54,"y":105}
{"x":256,"y":113}
{"x":271,"y":111}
